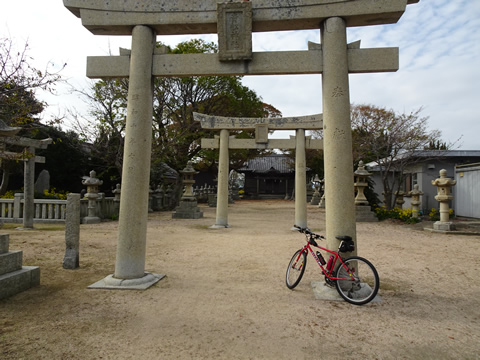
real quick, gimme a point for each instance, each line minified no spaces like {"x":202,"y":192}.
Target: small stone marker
{"x":72,"y":233}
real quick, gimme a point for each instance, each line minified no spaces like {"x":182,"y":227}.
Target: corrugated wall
{"x":467,"y":191}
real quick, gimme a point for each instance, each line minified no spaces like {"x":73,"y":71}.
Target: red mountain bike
{"x":355,"y":278}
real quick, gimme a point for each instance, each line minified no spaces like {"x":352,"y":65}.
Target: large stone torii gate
{"x":234,"y":22}
{"x":261,"y":126}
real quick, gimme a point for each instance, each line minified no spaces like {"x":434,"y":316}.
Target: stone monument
{"x":333,"y":58}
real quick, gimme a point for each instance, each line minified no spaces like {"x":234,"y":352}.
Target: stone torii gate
{"x":234,"y":22}
{"x":29,"y":158}
{"x":261,"y":126}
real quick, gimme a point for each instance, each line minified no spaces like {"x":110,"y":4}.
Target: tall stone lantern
{"x":188,"y":209}
{"x":361,"y":183}
{"x":363,"y":212}
{"x":444,"y":196}
{"x":415,"y":194}
{"x":316,"y":194}
{"x":92,"y":184}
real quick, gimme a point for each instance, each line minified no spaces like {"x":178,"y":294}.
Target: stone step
{"x":17,"y":281}
{"x":11,"y":261}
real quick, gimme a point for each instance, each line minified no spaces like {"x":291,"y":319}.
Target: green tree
{"x":176,"y":136}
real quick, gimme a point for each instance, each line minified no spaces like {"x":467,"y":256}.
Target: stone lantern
{"x":188,"y":208}
{"x":361,"y":183}
{"x":363,"y":213}
{"x":92,"y":184}
{"x":444,"y":196}
{"x":321,"y":204}
{"x":399,"y":199}
{"x":415,"y":194}
{"x":116,"y":199}
{"x":316,"y":194}
{"x":188,"y":181}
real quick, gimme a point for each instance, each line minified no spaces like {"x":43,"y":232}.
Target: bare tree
{"x":391,"y":140}
{"x":19,"y":81}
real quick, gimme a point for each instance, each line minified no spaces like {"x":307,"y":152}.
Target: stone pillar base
{"x":443,"y":226}
{"x":142,"y":283}
{"x":315,"y":200}
{"x":364,"y":214}
{"x":219,"y":226}
{"x":187,"y":210}
{"x":91,"y":220}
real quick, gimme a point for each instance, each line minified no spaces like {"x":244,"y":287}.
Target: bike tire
{"x":296,"y":268}
{"x":364,"y":284}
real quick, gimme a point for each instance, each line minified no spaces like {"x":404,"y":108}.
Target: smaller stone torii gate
{"x":261,"y":126}
{"x":29,"y":158}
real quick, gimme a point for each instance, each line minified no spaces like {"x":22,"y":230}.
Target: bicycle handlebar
{"x":308,"y":232}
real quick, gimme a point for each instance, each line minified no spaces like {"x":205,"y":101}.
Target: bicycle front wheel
{"x":296,"y":268}
{"x":358,"y":280}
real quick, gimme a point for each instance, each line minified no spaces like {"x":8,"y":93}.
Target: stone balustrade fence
{"x":52,"y":210}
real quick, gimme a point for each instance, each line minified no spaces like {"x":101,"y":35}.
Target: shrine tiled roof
{"x":277,"y":163}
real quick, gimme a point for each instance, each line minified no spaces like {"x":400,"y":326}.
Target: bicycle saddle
{"x":344,"y":238}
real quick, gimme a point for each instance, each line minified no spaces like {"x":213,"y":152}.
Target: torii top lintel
{"x":309,"y":122}
{"x":177,"y":17}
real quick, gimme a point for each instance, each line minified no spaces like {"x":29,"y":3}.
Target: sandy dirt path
{"x":225,"y":297}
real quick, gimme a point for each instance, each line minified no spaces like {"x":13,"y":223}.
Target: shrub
{"x":404,"y":215}
{"x":434,"y":215}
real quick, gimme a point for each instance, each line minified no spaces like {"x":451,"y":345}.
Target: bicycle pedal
{"x":329,"y":283}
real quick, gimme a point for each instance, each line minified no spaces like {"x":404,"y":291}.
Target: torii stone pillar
{"x":222,"y":188}
{"x":130,"y":261}
{"x":132,"y":225}
{"x":29,"y":190}
{"x":300,"y":180}
{"x":338,"y":160}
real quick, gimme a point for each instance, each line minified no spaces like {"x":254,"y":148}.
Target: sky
{"x":439,"y":43}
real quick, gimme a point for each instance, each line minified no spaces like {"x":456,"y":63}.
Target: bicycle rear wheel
{"x":362,"y":282}
{"x":296,"y":268}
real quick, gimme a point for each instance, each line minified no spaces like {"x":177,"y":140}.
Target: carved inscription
{"x":234,"y":38}
{"x":338,"y":92}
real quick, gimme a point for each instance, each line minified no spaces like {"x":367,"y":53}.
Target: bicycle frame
{"x":343,"y":274}
{"x":337,"y":257}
